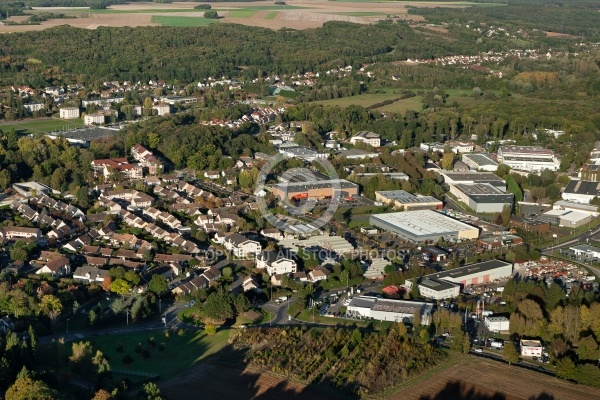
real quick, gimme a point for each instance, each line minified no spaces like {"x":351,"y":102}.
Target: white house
{"x":275,"y":263}
{"x":370,"y":138}
{"x":240,"y":245}
{"x":90,"y":274}
{"x":497,"y":324}
{"x":58,"y":266}
{"x":69,"y":113}
{"x":318,"y":274}
{"x":531,"y":348}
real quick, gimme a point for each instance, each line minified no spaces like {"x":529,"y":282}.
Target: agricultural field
{"x":297,"y":14}
{"x":401,"y":106}
{"x":172,"y":20}
{"x":40,"y":125}
{"x":481,"y":379}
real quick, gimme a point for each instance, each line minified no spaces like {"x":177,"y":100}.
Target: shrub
{"x":180,"y":332}
{"x":203,"y":7}
{"x":211,"y":15}
{"x":127,"y":359}
{"x":210,"y":329}
{"x":167,"y":334}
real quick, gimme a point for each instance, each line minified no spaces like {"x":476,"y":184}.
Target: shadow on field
{"x":458,"y":390}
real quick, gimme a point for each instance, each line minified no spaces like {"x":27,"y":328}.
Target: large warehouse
{"x":482,"y":197}
{"x":424,"y":225}
{"x":315,"y":190}
{"x":480,"y":162}
{"x":408,"y":201}
{"x":531,"y":159}
{"x":472,"y":274}
{"x":389,"y":310}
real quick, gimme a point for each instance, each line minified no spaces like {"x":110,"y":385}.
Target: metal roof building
{"x":482,"y":197}
{"x":424,"y":225}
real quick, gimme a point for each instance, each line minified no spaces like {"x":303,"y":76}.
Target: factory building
{"x":480,"y":162}
{"x":315,"y":190}
{"x":424,"y":225}
{"x":455,"y":178}
{"x":482,"y":197}
{"x":390,"y":310}
{"x":531,"y":159}
{"x":407,"y":201}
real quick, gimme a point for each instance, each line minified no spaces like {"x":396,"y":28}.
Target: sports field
{"x":41,"y":125}
{"x":296,"y":14}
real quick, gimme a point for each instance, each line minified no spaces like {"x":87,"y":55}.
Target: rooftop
{"x":583,"y":187}
{"x":470,"y":269}
{"x":422,"y":222}
{"x":480,"y":158}
{"x":403,"y":196}
{"x":533,"y":150}
{"x":485,"y":193}
{"x":436,"y":284}
{"x":331,"y":183}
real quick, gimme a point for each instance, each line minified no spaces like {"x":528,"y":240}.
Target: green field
{"x":364,"y":100}
{"x":180,"y":352}
{"x":166,"y":20}
{"x":271,"y":15}
{"x":401,"y":106}
{"x":241,"y":13}
{"x":27,"y":127}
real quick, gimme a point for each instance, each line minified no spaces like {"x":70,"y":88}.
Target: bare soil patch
{"x":561,"y":35}
{"x":480,"y":379}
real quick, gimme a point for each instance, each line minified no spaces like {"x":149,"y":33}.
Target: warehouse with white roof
{"x":389,"y":310}
{"x":424,"y":225}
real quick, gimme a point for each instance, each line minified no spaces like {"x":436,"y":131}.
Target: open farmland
{"x":297,"y":14}
{"x":481,"y":379}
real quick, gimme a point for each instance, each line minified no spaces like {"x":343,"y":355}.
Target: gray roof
{"x":485,"y":193}
{"x":583,"y":187}
{"x":468,"y":270}
{"x":437,"y":284}
{"x":403,"y":196}
{"x":480,"y":159}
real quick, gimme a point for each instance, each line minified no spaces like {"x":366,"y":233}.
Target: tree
{"x":152,"y":392}
{"x":52,"y":306}
{"x":158,"y":284}
{"x":132,"y":277}
{"x":565,"y":368}
{"x":210,"y":329}
{"x":506,"y":211}
{"x":466,"y":345}
{"x":29,"y":389}
{"x":514,"y":188}
{"x":448,"y":160}
{"x":588,"y":374}
{"x":588,"y":349}
{"x":102,"y":395}
{"x":227,"y":271}
{"x":510,"y":353}
{"x":5,"y":179}
{"x":107,"y":283}
{"x":211,"y":15}
{"x":120,"y":286}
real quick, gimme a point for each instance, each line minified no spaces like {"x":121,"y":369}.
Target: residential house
{"x":370,"y":138}
{"x":240,"y":245}
{"x":56,"y":267}
{"x":90,"y":274}
{"x":318,"y":274}
{"x":276,"y":262}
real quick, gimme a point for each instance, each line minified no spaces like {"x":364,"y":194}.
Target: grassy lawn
{"x":271,"y":15}
{"x":179,"y":353}
{"x":364,"y":100}
{"x":166,"y":20}
{"x":241,"y":13}
{"x":401,"y":106}
{"x":42,"y":125}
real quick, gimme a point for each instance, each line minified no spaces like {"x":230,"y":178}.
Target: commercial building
{"x":480,"y":162}
{"x":455,"y":178}
{"x":407,"y":201}
{"x":472,"y":274}
{"x":497,"y":324}
{"x":482,"y":197}
{"x":579,"y":191}
{"x":302,"y":153}
{"x":530,"y":224}
{"x":390,"y":310}
{"x":438,"y":289}
{"x":528,"y":158}
{"x":566,"y":218}
{"x":69,"y":113}
{"x":336,"y":244}
{"x":370,"y":138}
{"x":570,"y":206}
{"x":585,"y":251}
{"x":162,"y":109}
{"x":531,"y":348}
{"x":315,"y":190}
{"x":424,"y":225}
{"x":357,"y":154}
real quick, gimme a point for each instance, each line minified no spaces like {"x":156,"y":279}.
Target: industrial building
{"x":566,"y":218}
{"x":579,"y":191}
{"x":336,"y":244}
{"x":570,"y":206}
{"x":472,"y":274}
{"x":531,"y":348}
{"x":390,"y":310}
{"x":407,"y":201}
{"x":302,"y":153}
{"x":339,"y":188}
{"x":424,"y":225}
{"x":480,"y":162}
{"x":370,"y":138}
{"x":528,"y":158}
{"x":530,"y":224}
{"x":482,"y":197}
{"x":497,"y":324}
{"x":438,"y":289}
{"x":455,"y":178}
{"x":585,"y":251}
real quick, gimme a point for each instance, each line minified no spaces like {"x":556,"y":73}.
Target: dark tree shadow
{"x":457,"y":390}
